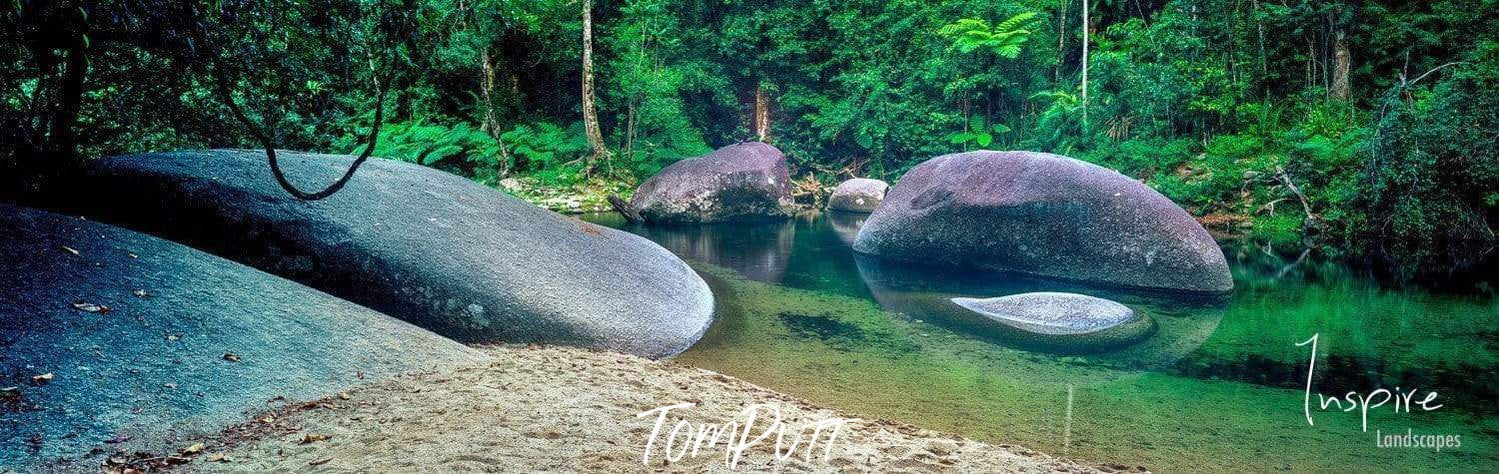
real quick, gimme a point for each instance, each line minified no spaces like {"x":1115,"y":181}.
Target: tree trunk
{"x":1085,"y":63}
{"x":762,"y":114}
{"x":590,"y":111}
{"x":1340,"y":66}
{"x":1062,"y":39}
{"x":491,"y":123}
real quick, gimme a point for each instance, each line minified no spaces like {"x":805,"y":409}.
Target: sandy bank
{"x":565,"y":409}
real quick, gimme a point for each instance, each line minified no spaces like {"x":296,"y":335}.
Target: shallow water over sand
{"x":1219,"y":385}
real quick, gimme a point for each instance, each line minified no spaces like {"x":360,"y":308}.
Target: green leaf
{"x":983,"y":139}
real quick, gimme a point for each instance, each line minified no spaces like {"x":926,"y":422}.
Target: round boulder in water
{"x":858,"y":195}
{"x":1046,"y":215}
{"x":745,"y":181}
{"x":1063,"y":319}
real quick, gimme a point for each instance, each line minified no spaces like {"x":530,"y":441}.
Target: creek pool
{"x":1219,"y":386}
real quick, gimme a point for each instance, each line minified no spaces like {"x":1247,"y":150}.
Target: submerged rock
{"x":738,"y":182}
{"x":1063,"y":317}
{"x":927,"y":293}
{"x":858,"y":195}
{"x":419,"y":244}
{"x":117,"y":340}
{"x":1047,"y":215}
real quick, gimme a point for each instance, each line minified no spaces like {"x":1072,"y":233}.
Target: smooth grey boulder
{"x":148,"y":342}
{"x":858,"y":195}
{"x":429,"y":247}
{"x":1046,"y":215}
{"x":745,"y":181}
{"x":1051,"y":313}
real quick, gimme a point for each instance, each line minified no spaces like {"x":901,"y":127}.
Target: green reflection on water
{"x":1218,"y":387}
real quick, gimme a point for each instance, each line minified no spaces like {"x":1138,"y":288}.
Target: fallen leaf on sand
{"x":173,"y":337}
{"x":141,"y":293}
{"x":69,"y":249}
{"x":194,"y":449}
{"x":10,"y":393}
{"x":319,"y":462}
{"x":119,"y":438}
{"x":343,"y":395}
{"x":90,"y":307}
{"x":267,"y":419}
{"x":310,"y":438}
{"x":216,"y":457}
{"x":231,"y":357}
{"x":43,"y":379}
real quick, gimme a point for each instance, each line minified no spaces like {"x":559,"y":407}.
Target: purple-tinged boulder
{"x":1046,"y":215}
{"x":858,"y":195}
{"x":746,"y":181}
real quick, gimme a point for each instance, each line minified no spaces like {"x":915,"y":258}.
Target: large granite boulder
{"x":858,"y":195}
{"x":746,"y":181}
{"x":1047,"y":215}
{"x":115,"y":340}
{"x":429,"y":247}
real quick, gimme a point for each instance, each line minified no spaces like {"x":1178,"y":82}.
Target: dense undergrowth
{"x":1338,"y":121}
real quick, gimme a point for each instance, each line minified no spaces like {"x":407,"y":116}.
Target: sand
{"x":568,"y":409}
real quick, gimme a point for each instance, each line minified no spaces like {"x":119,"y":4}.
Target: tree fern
{"x":1004,"y":39}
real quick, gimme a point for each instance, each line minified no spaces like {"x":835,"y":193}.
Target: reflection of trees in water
{"x":1451,"y":267}
{"x":1387,"y":317}
{"x":760,"y":251}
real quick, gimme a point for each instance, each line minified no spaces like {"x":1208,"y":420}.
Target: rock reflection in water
{"x":760,"y":252}
{"x":1182,"y":321}
{"x":847,"y":224}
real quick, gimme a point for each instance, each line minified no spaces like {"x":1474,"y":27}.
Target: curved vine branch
{"x":227,"y":96}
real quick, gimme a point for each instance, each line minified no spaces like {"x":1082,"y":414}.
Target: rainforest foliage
{"x":1284,"y":118}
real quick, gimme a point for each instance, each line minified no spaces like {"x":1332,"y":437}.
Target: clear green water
{"x":1218,"y":386}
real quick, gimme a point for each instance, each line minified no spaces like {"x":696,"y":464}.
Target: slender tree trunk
{"x":590,"y":111}
{"x":1341,"y":64}
{"x":491,"y":123}
{"x":1264,"y":61}
{"x":762,"y":114}
{"x":1062,"y":39}
{"x":1085,"y":63}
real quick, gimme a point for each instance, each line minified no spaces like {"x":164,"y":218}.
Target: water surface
{"x":1218,"y":386}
